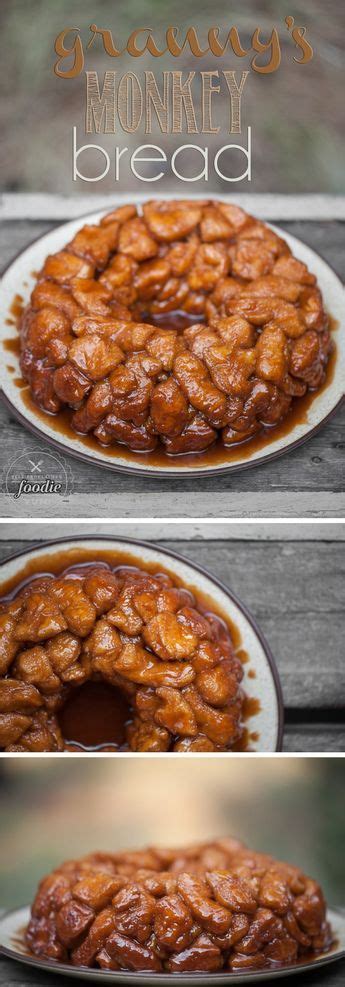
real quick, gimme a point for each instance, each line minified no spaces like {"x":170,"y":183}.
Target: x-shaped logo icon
{"x":35,"y":466}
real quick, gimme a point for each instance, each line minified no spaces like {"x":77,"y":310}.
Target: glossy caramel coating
{"x":139,"y":632}
{"x":90,"y":339}
{"x":209,"y":907}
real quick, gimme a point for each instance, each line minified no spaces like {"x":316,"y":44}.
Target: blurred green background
{"x":52,"y":809}
{"x":296,"y":113}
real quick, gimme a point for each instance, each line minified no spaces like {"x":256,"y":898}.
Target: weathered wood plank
{"x":16,"y":533}
{"x":128,"y":505}
{"x":277,"y":579}
{"x":15,"y":236}
{"x":314,"y":739}
{"x":309,"y":652}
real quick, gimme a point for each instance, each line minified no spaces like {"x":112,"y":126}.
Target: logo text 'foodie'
{"x":37,"y":472}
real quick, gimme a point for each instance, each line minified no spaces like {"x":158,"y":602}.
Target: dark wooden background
{"x":291,"y":577}
{"x":308,"y":482}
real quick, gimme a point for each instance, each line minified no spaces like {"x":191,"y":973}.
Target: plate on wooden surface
{"x":12,"y":926}
{"x":19,"y":279}
{"x":261,"y":681}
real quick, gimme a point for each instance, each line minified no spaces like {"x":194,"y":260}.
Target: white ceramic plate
{"x":13,"y":923}
{"x":265,"y":686}
{"x":19,"y":279}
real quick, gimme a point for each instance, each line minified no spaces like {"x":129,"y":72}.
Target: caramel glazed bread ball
{"x":260,"y":337}
{"x":209,"y":907}
{"x":139,"y":632}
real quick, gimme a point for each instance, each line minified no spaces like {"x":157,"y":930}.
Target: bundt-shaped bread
{"x":238,"y":328}
{"x":139,"y":632}
{"x":212,"y":907}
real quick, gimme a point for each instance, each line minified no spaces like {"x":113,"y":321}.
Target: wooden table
{"x":291,"y":577}
{"x":307,"y":482}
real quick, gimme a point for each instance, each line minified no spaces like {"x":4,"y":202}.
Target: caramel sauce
{"x":20,"y":945}
{"x":87,"y":724}
{"x":12,"y":346}
{"x":251,"y":707}
{"x":242,"y":655}
{"x":216,"y":455}
{"x":17,"y":308}
{"x":94,"y":718}
{"x":172,"y":320}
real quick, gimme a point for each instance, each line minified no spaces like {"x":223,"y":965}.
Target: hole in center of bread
{"x":94,"y":716}
{"x":178,"y":320}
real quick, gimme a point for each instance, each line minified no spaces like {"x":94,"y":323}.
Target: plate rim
{"x":147,"y":977}
{"x":141,"y":543}
{"x":151,"y":471}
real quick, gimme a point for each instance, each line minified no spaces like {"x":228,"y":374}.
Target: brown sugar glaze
{"x":215,"y":455}
{"x":19,"y":943}
{"x":87,"y":719}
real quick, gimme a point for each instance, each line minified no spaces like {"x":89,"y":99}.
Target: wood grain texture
{"x":167,"y":504}
{"x":183,"y":530}
{"x":307,"y":482}
{"x":294,"y":589}
{"x":15,"y":975}
{"x":314,"y":739}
